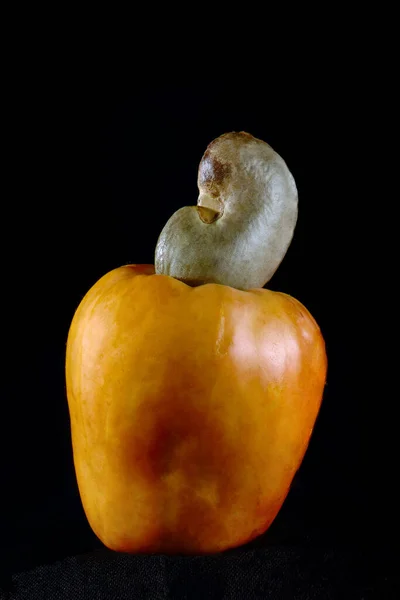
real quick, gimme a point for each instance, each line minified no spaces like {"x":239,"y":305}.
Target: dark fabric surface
{"x":276,"y":572}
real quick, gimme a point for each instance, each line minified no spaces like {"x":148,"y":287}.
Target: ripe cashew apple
{"x":192,"y":391}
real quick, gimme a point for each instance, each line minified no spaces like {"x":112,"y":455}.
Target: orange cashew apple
{"x":192,"y":391}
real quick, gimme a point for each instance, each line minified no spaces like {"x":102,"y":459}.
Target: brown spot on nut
{"x":212,"y":173}
{"x":242,"y":135}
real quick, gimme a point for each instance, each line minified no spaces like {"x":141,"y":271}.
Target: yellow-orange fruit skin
{"x":191,"y":409}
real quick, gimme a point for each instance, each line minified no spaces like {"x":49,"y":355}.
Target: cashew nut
{"x":243,"y":223}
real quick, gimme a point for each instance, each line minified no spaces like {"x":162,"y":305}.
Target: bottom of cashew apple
{"x":191,"y":409}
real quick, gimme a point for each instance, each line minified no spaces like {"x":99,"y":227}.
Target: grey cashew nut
{"x":243,"y":223}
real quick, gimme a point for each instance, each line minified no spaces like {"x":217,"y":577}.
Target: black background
{"x":98,"y":171}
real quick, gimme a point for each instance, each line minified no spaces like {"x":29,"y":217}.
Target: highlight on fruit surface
{"x":243,"y":223}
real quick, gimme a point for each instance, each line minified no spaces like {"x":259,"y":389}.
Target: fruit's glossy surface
{"x":191,"y":409}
